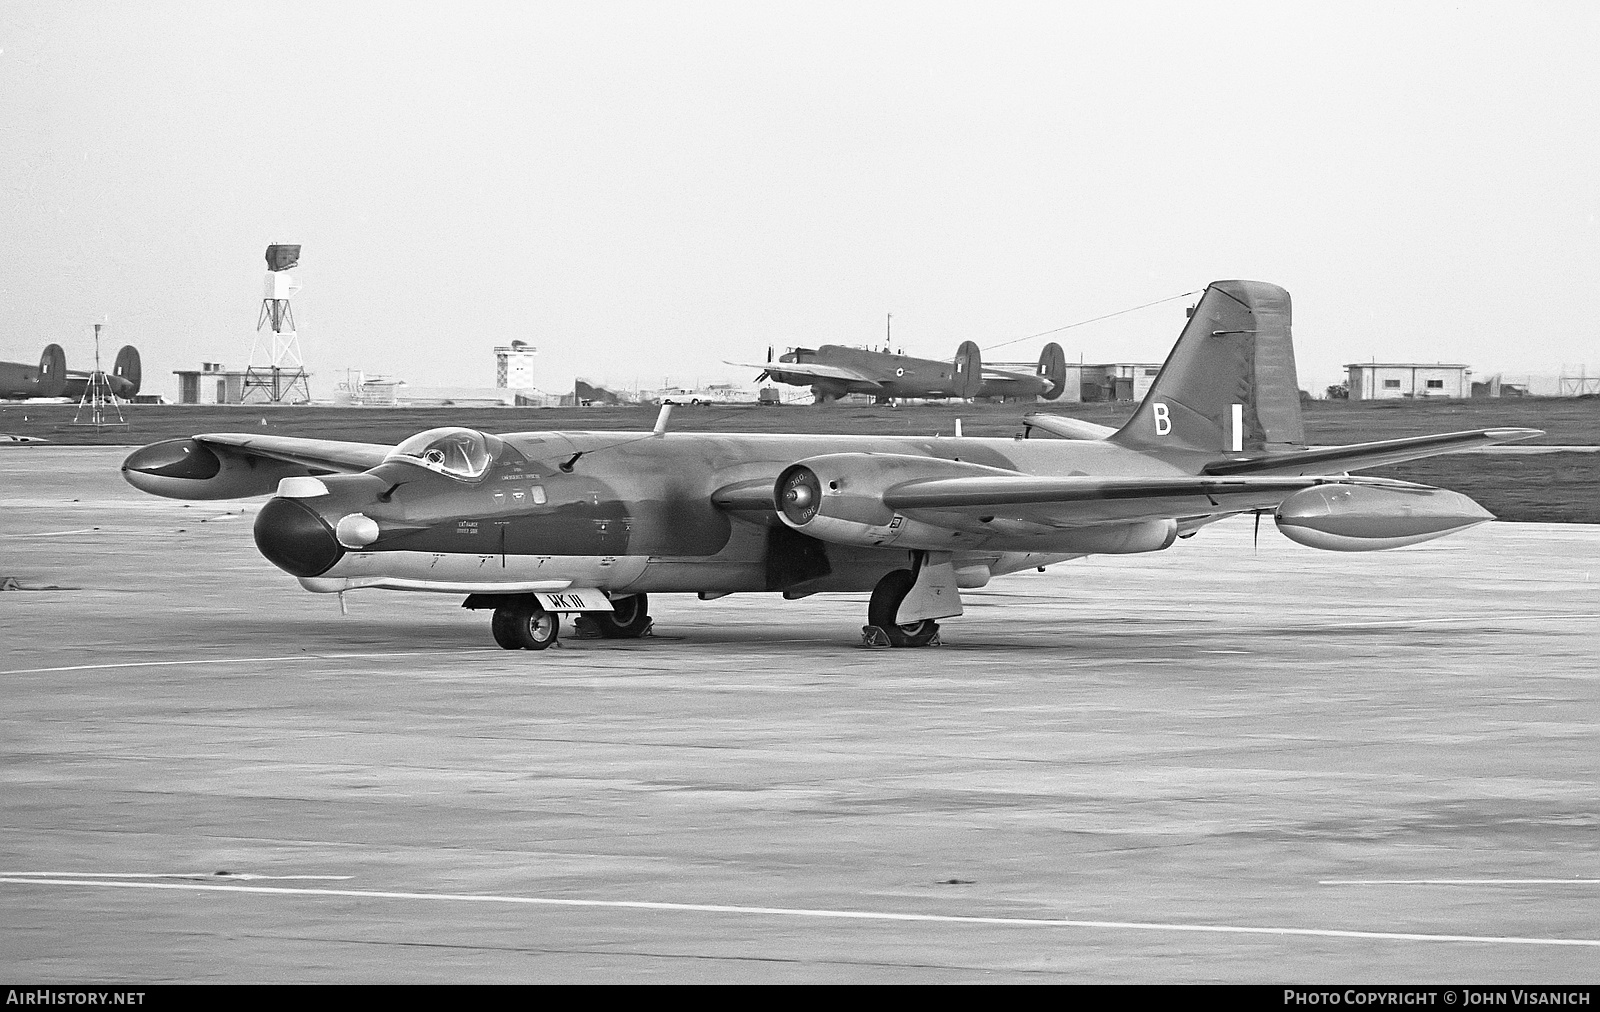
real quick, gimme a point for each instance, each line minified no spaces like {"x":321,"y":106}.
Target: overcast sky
{"x":645,"y":189}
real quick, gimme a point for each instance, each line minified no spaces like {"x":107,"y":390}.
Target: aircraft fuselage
{"x":680,"y":512}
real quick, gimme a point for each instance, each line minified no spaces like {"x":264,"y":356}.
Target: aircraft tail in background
{"x":127,"y":370}
{"x":1053,"y":370}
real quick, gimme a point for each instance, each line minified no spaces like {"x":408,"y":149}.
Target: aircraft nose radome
{"x":174,"y":458}
{"x":295,"y":539}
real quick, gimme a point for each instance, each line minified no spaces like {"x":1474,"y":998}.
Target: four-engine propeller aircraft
{"x":537,"y":524}
{"x":833,"y":370}
{"x":53,"y":379}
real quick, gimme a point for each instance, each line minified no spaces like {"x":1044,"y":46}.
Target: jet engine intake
{"x":838,"y":497}
{"x":1366,"y":518}
{"x":193,"y":469}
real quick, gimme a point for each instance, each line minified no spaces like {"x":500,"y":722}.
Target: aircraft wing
{"x":1082,"y":501}
{"x":1334,"y":459}
{"x":813,"y":370}
{"x":320,"y":454}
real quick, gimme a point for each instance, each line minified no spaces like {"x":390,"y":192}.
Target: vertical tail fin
{"x":967,"y":370}
{"x":1229,"y":384}
{"x":127,"y":368}
{"x":52,"y":372}
{"x":1053,"y":370}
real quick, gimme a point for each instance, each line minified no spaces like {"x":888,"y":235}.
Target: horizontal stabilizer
{"x":1067,"y":428}
{"x":1356,"y":456}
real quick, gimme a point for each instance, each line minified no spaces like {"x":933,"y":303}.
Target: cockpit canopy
{"x":457,"y":452}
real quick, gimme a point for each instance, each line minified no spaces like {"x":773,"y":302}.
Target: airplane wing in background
{"x":813,"y":370}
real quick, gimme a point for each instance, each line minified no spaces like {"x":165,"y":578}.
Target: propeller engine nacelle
{"x":838,"y":497}
{"x":1366,"y":518}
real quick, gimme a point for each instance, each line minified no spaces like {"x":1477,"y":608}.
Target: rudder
{"x":967,"y":370}
{"x":127,"y":367}
{"x":52,"y":372}
{"x":1053,"y":370}
{"x":1229,"y":384}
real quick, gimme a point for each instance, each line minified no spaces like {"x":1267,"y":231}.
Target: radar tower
{"x":276,"y":373}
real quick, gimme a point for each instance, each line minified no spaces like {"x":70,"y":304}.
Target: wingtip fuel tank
{"x":1366,"y":518}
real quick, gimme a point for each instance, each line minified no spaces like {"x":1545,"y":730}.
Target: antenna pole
{"x":97,"y":394}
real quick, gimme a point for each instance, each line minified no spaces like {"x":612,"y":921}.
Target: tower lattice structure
{"x":277,"y":372}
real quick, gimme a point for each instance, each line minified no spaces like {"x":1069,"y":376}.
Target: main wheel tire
{"x":525,"y":625}
{"x":628,"y":620}
{"x":885,"y":603}
{"x":503,"y":625}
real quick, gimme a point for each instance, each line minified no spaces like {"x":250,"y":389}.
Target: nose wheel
{"x":523,"y":624}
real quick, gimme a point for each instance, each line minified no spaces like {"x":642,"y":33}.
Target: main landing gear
{"x":885,"y":604}
{"x":521,"y":623}
{"x":629,"y":619}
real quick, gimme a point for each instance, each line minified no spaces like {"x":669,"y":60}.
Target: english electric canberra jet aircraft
{"x":538,"y":524}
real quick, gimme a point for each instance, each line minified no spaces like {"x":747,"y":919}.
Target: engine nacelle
{"x":838,"y":497}
{"x":191,"y":469}
{"x":1366,"y":518}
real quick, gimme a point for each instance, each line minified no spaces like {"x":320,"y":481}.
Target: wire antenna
{"x":1097,"y":319}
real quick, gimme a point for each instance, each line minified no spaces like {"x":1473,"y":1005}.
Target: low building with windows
{"x":1372,"y":381}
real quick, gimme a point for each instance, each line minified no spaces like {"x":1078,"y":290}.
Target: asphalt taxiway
{"x":1214,"y":763}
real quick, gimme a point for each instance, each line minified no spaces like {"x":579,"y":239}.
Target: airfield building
{"x":210,"y":384}
{"x":1108,"y":381}
{"x":514,"y":366}
{"x":1372,"y":381}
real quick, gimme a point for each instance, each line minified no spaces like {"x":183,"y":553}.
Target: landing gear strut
{"x":628,"y":619}
{"x":885,"y":603}
{"x":521,"y":623}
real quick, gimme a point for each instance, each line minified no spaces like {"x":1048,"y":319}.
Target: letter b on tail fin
{"x":1229,"y":383}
